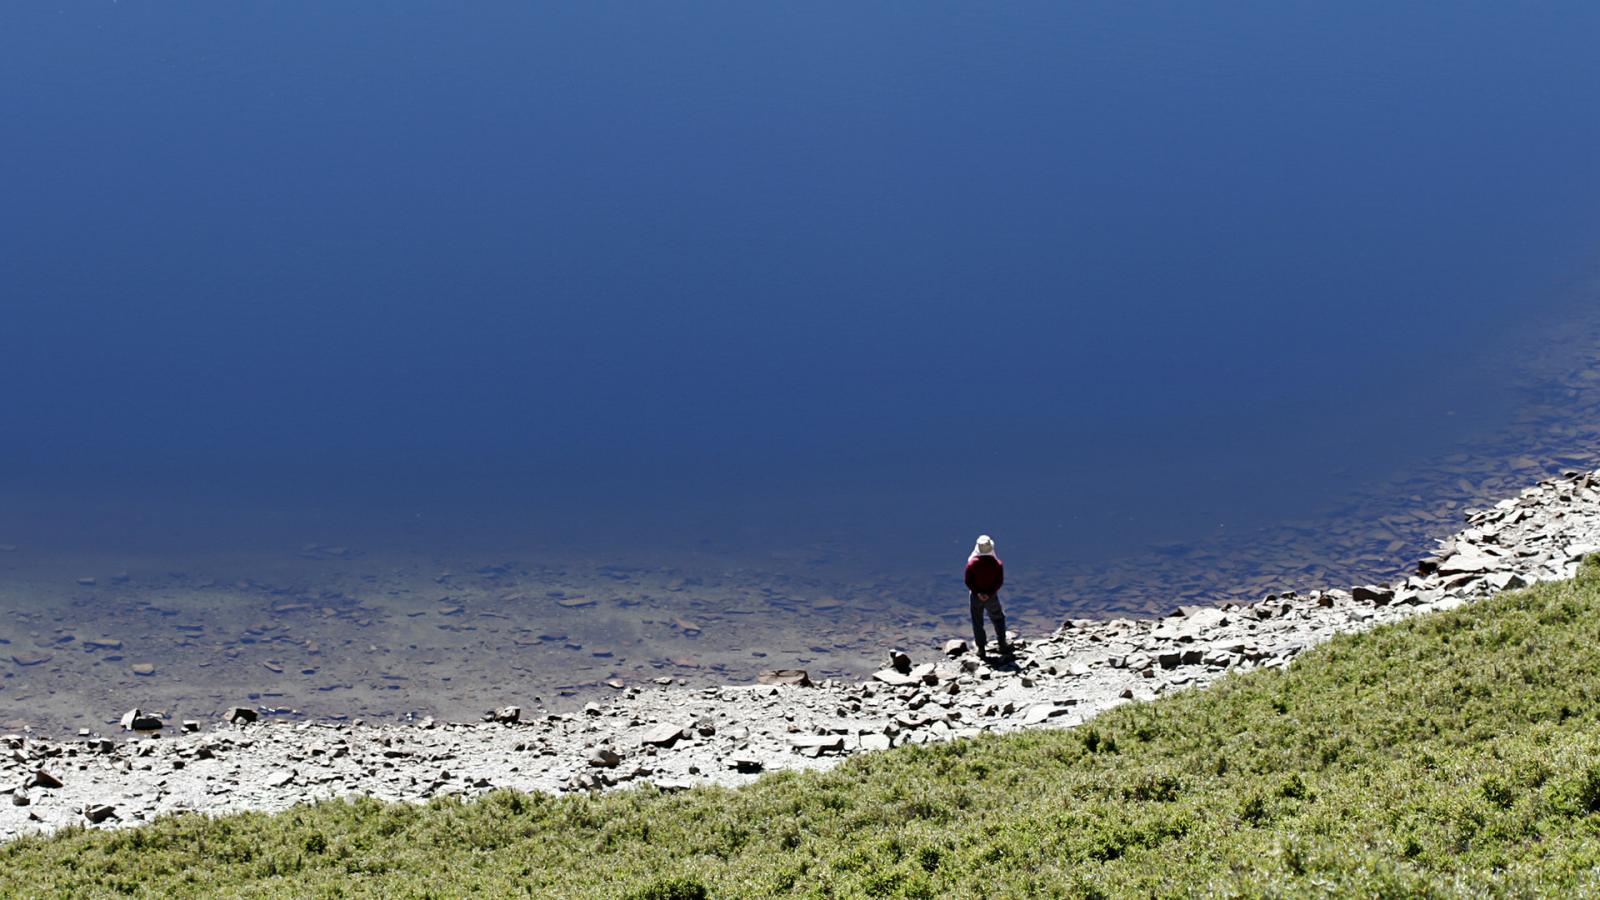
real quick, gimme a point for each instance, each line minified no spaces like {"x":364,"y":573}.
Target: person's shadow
{"x":998,"y":663}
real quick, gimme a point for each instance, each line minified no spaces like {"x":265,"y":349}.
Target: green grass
{"x":1455,"y":754}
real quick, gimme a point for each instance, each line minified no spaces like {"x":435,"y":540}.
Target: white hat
{"x":985,"y":546}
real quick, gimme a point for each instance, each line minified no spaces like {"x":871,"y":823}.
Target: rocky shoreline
{"x":675,"y":737}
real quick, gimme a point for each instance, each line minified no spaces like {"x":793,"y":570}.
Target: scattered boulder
{"x":1377,"y":596}
{"x":1199,"y":617}
{"x":605,"y":758}
{"x":663,"y":735}
{"x":1041,"y":712}
{"x":98,"y":812}
{"x":44,"y":779}
{"x":794,"y":677}
{"x":895,"y":678}
{"x":817,"y":743}
{"x":31,"y":657}
{"x":746,"y":763}
{"x":955,"y":648}
{"x":1505,"y":581}
{"x":900,"y":662}
{"x":505,"y":715}
{"x":1468,"y":563}
{"x":137,"y":720}
{"x":240,"y":715}
{"x":875,"y":742}
{"x":143,"y":669}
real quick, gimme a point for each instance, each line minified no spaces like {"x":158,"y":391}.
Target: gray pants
{"x":991,"y":603}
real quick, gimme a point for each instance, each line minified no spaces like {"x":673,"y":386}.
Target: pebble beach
{"x":673,"y":736}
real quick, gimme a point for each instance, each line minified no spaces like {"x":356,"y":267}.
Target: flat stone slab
{"x":663,"y":735}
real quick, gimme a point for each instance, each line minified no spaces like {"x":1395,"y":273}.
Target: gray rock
{"x":1505,"y":581}
{"x":506,"y":715}
{"x":136,"y":720}
{"x":895,"y":678}
{"x":822,"y":743}
{"x":1377,"y":596}
{"x":899,"y":662}
{"x":1040,"y":712}
{"x":792,"y":677}
{"x":1205,"y":617}
{"x":1468,"y":562}
{"x":955,"y":647}
{"x":745,"y":763}
{"x":663,"y":735}
{"x":240,"y":715}
{"x":605,"y":758}
{"x":98,"y":812}
{"x":44,"y":779}
{"x":19,"y":797}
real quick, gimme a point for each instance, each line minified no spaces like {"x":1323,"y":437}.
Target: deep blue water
{"x":629,"y":276}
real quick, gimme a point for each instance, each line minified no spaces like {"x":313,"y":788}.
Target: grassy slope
{"x":1453,"y":754}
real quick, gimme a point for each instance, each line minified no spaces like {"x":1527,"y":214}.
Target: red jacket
{"x":985,"y":574}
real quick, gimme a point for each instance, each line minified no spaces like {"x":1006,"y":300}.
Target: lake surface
{"x":370,"y":365}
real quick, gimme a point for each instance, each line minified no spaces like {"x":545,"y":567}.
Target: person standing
{"x":985,"y":574}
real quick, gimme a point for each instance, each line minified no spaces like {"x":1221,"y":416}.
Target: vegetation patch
{"x":1454,"y":754}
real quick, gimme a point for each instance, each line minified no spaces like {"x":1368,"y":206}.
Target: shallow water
{"x":316,"y":326}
